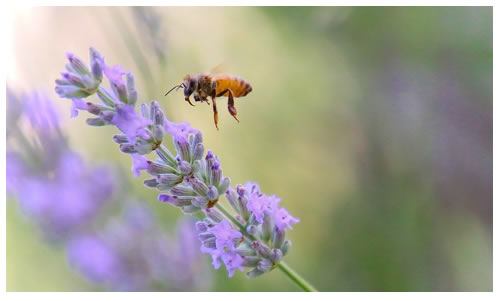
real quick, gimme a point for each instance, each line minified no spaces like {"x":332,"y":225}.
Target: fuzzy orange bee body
{"x":206,"y":84}
{"x":236,"y":84}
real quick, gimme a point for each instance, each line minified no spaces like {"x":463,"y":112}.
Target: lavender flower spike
{"x":254,"y":237}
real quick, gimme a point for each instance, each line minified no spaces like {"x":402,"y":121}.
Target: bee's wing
{"x":221,"y":68}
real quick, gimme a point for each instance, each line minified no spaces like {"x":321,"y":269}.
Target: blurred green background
{"x":374,"y":126}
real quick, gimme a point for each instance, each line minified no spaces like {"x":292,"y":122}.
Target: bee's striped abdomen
{"x":237,"y":85}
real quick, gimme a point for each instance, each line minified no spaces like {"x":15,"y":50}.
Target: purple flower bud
{"x":224,"y":185}
{"x":128,"y":148}
{"x":240,"y":190}
{"x":176,"y":201}
{"x":198,"y":138}
{"x":252,"y":229}
{"x":182,"y":147}
{"x":96,"y":122}
{"x":93,"y":108}
{"x":145,"y":110}
{"x":214,"y":215}
{"x":181,"y":190}
{"x":199,"y":186}
{"x":209,"y":243}
{"x":120,"y":139}
{"x":206,"y":235}
{"x":77,"y":64}
{"x":261,"y":249}
{"x":152,"y":183}
{"x":185,"y":168}
{"x":209,"y":155}
{"x":107,"y":115}
{"x":232,"y":197}
{"x":169,"y":179}
{"x":158,"y":133}
{"x":71,"y":92}
{"x":201,"y":226}
{"x":143,"y":148}
{"x":212,"y":193}
{"x":251,"y":261}
{"x":120,"y":91}
{"x":198,"y":152}
{"x":215,"y":174}
{"x":96,"y":64}
{"x":286,"y":247}
{"x":131,"y":91}
{"x":73,"y":79}
{"x":200,"y":202}
{"x":157,"y":168}
{"x":245,"y":251}
{"x":267,"y":227}
{"x":158,"y":118}
{"x":254,"y":273}
{"x":264,"y":266}
{"x":276,"y":255}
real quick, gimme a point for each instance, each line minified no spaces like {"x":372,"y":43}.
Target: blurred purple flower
{"x":69,"y":199}
{"x":136,"y":256}
{"x":93,"y":258}
{"x":41,"y":112}
{"x":16,"y":171}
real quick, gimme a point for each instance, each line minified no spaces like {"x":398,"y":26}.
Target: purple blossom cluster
{"x":131,"y":253}
{"x":53,"y":185}
{"x":66,"y":198}
{"x":266,"y":224}
{"x":253,"y":237}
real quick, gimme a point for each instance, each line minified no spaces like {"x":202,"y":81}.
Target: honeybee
{"x":214,"y":85}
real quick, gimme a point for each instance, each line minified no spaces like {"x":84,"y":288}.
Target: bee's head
{"x":189,"y":85}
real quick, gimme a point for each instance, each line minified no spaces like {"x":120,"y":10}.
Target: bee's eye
{"x":191,"y":83}
{"x":189,"y":88}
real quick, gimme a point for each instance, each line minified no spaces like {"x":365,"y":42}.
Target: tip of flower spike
{"x":70,"y":56}
{"x":165,"y":198}
{"x":209,"y":155}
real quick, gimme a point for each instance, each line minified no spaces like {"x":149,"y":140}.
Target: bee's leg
{"x":230,"y":105}
{"x":216,"y":115}
{"x":230,"y":102}
{"x":189,"y":100}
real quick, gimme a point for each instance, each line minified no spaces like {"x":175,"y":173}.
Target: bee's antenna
{"x":177,"y":86}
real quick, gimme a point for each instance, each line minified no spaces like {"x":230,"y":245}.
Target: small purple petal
{"x":282,"y":219}
{"x":78,"y":104}
{"x":139,"y":163}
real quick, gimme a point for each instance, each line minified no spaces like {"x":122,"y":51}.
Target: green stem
{"x":288,"y":271}
{"x":296,"y":278}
